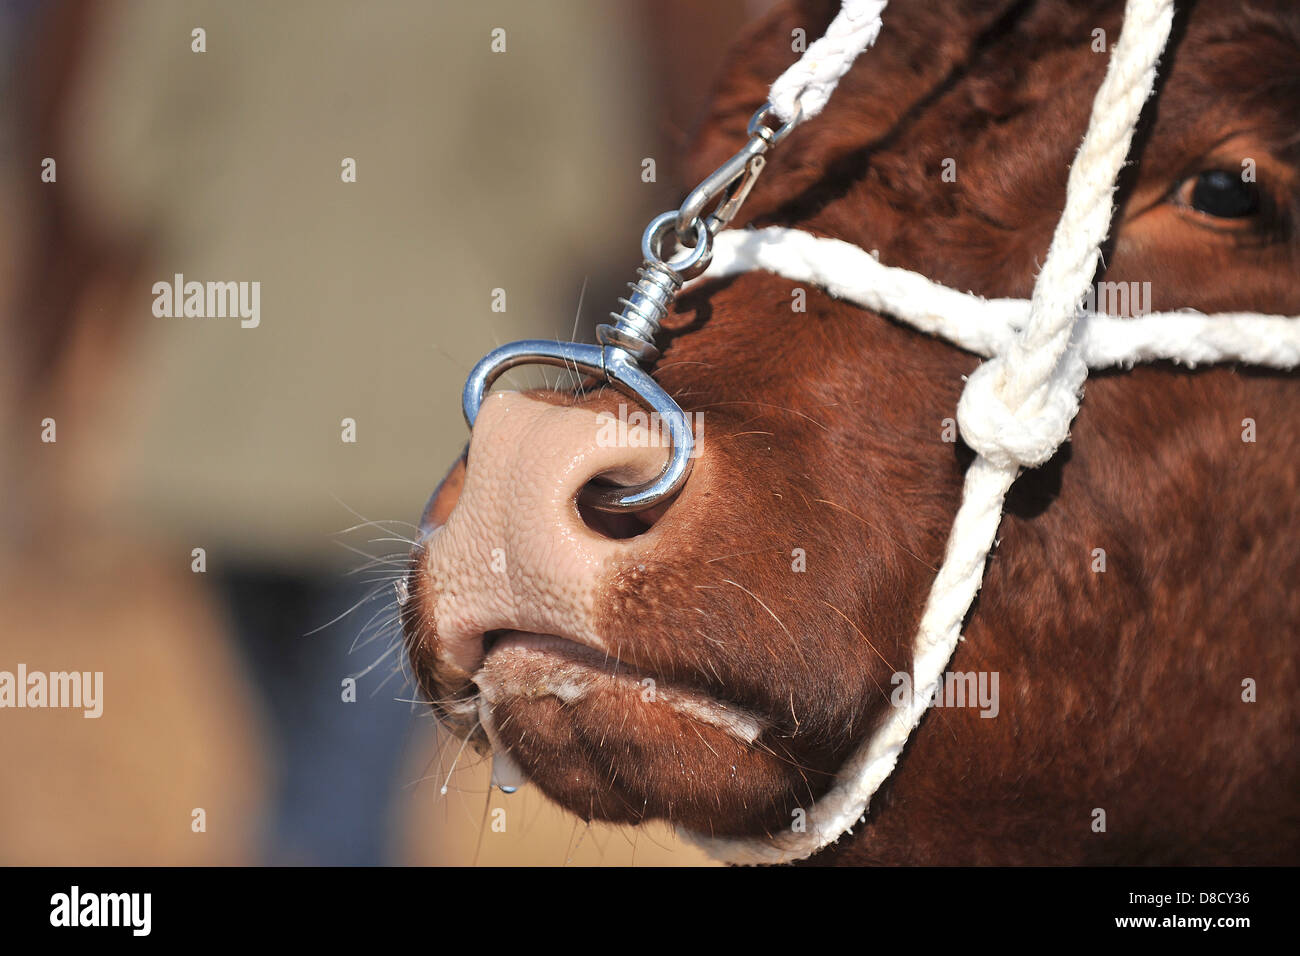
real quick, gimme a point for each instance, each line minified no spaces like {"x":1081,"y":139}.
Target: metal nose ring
{"x":619,"y":369}
{"x":624,"y":345}
{"x":631,"y":339}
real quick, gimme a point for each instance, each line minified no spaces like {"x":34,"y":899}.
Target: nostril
{"x":619,"y":525}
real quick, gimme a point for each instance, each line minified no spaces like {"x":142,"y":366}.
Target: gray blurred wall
{"x":476,"y":170}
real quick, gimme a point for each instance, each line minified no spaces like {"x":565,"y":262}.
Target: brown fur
{"x":1119,"y":690}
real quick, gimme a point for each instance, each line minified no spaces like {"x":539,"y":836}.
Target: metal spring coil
{"x":645,"y":308}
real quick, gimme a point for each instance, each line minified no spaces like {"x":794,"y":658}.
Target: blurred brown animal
{"x":179,"y":729}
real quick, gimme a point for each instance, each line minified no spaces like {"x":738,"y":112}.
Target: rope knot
{"x":1028,"y":435}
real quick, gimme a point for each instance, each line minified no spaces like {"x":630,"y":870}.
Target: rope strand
{"x":802,"y":90}
{"x":989,"y":327}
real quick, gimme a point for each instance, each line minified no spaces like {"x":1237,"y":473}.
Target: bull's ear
{"x":760,"y":53}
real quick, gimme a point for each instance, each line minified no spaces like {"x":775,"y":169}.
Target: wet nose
{"x":508,"y":546}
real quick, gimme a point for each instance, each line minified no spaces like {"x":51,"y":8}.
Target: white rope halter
{"x":1016,"y":408}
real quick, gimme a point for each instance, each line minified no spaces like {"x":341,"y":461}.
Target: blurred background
{"x":224,"y":668}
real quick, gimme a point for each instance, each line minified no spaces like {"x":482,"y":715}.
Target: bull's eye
{"x":1224,"y":195}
